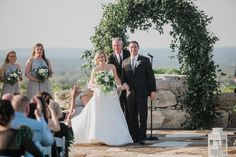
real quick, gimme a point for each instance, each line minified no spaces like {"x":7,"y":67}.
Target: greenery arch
{"x":191,"y":38}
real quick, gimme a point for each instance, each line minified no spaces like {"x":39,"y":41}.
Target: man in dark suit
{"x":116,"y":58}
{"x":139,"y":80}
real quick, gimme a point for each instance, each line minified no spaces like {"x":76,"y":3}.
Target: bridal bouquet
{"x":14,"y":76}
{"x":42,"y":73}
{"x":105,"y":80}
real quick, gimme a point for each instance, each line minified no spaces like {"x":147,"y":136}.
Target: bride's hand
{"x":119,"y":86}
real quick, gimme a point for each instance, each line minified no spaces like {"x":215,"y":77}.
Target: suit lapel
{"x":137,"y":64}
{"x":130,"y":64}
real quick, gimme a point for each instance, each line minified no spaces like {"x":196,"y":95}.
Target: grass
{"x":228,"y":89}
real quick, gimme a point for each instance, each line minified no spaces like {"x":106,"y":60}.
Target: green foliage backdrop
{"x":190,"y":37}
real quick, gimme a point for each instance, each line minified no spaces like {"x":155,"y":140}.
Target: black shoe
{"x":135,"y":141}
{"x":142,"y":143}
{"x":152,"y":138}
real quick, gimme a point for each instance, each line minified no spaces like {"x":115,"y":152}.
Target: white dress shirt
{"x":118,"y":56}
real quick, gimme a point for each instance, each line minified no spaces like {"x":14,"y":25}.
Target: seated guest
{"x":65,"y":129}
{"x":42,"y":135}
{"x":49,"y":116}
{"x":10,"y":144}
{"x":49,"y":100}
{"x":7,"y":96}
{"x":48,"y":112}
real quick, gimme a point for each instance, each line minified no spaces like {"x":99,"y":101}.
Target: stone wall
{"x":167,"y":110}
{"x":225,"y":105}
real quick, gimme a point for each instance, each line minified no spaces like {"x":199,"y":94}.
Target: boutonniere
{"x":138,"y":63}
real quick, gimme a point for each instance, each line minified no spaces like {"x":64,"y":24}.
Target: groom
{"x":139,"y":76}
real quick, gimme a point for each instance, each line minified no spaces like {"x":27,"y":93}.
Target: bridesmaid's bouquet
{"x":105,"y":80}
{"x":42,"y":73}
{"x":14,"y":76}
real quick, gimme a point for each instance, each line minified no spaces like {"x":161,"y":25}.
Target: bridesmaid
{"x":38,"y":70}
{"x":11,"y":74}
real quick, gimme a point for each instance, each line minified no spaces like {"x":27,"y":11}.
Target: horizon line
{"x":91,"y":48}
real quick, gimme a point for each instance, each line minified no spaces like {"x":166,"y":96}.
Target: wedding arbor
{"x":190,"y":38}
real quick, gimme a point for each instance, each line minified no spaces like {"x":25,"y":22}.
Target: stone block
{"x":166,"y":119}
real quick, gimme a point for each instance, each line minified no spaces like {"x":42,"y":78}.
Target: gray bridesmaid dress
{"x":34,"y":87}
{"x":7,"y":87}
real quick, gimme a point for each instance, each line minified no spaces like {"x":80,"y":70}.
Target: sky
{"x":71,"y":23}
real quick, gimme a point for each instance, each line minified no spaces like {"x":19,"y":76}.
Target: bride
{"x":102,"y":119}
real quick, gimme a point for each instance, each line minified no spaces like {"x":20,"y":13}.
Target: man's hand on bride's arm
{"x":125,"y":86}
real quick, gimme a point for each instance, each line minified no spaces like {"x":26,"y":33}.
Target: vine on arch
{"x":191,"y":38}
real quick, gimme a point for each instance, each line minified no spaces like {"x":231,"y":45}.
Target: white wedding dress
{"x":101,"y":121}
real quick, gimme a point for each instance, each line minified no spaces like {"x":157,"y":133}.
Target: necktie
{"x":120,"y":59}
{"x":133,"y":64}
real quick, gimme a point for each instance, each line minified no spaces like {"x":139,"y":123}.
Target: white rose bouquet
{"x":105,"y":80}
{"x":42,"y":73}
{"x":14,"y":76}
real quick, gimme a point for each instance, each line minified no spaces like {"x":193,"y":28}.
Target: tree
{"x":191,"y":38}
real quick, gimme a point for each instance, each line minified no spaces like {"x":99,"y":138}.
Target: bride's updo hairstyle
{"x":97,"y":54}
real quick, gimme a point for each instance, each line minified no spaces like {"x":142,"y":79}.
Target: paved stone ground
{"x":171,"y":143}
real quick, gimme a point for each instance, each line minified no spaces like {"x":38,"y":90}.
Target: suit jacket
{"x":141,"y":80}
{"x":112,"y":59}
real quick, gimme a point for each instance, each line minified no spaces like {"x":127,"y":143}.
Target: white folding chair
{"x":60,"y":142}
{"x":47,"y":151}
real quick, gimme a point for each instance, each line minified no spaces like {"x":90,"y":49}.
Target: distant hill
{"x":69,"y":61}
